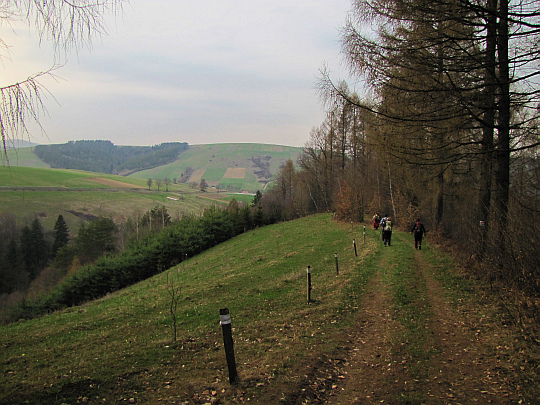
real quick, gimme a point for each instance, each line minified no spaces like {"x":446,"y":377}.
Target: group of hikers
{"x":385,"y":223}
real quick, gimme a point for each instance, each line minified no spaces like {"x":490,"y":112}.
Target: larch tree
{"x":448,"y":77}
{"x":69,"y":25}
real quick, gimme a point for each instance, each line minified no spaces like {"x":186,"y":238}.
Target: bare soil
{"x":235,"y":173}
{"x":112,"y":183}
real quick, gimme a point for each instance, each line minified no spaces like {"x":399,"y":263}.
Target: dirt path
{"x":462,"y":370}
{"x":371,"y":372}
{"x":457,"y":369}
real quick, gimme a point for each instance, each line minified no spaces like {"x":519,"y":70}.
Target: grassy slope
{"x":121,"y":346}
{"x":26,"y":194}
{"x":214,"y":159}
{"x":23,"y":157}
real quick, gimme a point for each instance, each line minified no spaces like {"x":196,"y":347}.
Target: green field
{"x":215,"y":159}
{"x":23,"y":157}
{"x":46,"y":193}
{"x":122,"y":346}
{"x":212,"y":159}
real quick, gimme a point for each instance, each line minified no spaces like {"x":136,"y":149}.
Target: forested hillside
{"x":105,"y":157}
{"x":448,"y":131}
{"x":36,"y":203}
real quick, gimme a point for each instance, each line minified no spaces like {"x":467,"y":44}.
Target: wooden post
{"x":225,"y":321}
{"x":354,"y":244}
{"x":308,"y":284}
{"x":337,"y":265}
{"x":364,"y":234}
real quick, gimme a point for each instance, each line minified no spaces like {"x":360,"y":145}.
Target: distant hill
{"x":234,"y":167}
{"x":30,"y":192}
{"x":19,"y":143}
{"x":105,"y":157}
{"x":227,"y":166}
{"x":22,"y":157}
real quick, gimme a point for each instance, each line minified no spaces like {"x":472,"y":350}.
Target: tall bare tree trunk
{"x":439,"y":198}
{"x":502,"y":179}
{"x":391,"y":193}
{"x":488,"y":126}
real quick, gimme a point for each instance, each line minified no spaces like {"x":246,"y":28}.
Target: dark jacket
{"x":418,"y":230}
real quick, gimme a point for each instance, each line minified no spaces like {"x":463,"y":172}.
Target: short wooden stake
{"x":308,"y":284}
{"x":354,"y":244}
{"x":364,"y":234}
{"x":337,"y":265}
{"x":225,"y":321}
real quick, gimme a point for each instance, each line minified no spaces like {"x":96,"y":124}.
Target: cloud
{"x":213,"y":71}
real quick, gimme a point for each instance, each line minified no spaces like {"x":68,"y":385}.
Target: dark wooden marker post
{"x":337,"y":265}
{"x":354,"y":244}
{"x":225,"y":321}
{"x":308,"y":284}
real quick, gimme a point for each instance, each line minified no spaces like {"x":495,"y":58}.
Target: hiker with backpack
{"x":386,"y":225}
{"x":376,"y":221}
{"x":418,"y":230}
{"x":381,"y":225}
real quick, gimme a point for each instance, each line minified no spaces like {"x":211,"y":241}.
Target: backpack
{"x":418,"y":229}
{"x":388,"y":225}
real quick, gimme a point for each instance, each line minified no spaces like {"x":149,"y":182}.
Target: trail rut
{"x":459,"y":369}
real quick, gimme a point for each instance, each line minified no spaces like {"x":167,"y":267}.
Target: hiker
{"x":418,"y":230}
{"x":381,"y":224}
{"x":387,"y":231}
{"x":376,"y":221}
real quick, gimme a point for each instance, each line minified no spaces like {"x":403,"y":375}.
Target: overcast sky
{"x":188,"y":71}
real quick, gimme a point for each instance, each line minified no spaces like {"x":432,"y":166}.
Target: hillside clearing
{"x":394,"y":326}
{"x":113,"y":183}
{"x":235,"y":173}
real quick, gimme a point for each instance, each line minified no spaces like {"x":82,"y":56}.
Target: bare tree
{"x":174,"y":291}
{"x":450,"y":77}
{"x":70,"y":25}
{"x":167,"y":182}
{"x":203,"y":185}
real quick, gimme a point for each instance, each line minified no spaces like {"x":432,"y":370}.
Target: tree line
{"x":42,"y":272}
{"x":444,"y":128}
{"x":105,"y":157}
{"x":32,"y":257}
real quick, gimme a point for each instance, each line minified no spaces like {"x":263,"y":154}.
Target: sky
{"x":204,"y":72}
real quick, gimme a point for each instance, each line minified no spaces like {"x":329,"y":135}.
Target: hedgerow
{"x":183,"y":239}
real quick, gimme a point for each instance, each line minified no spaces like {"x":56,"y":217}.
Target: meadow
{"x":212,"y":161}
{"x":46,"y":193}
{"x":390,"y":325}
